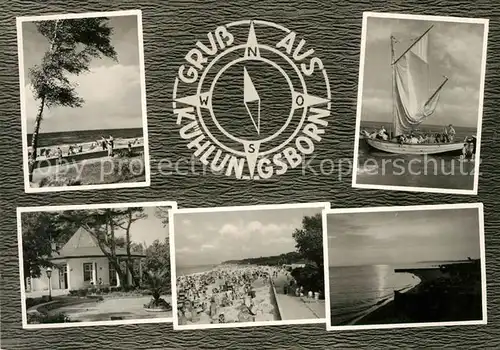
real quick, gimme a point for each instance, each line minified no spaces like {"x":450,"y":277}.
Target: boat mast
{"x":437,"y":90}
{"x":393,"y":87}
{"x":414,"y":43}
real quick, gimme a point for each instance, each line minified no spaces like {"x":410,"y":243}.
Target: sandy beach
{"x":228,"y":294}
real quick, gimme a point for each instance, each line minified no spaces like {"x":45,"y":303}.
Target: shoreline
{"x":438,"y":297}
{"x":119,"y":143}
{"x":379,"y":305}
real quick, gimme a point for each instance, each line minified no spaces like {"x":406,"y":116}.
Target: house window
{"x":87,"y":272}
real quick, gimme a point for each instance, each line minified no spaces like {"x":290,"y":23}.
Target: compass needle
{"x":251,"y":100}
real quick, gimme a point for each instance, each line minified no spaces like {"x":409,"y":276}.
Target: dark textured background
{"x":170,"y":29}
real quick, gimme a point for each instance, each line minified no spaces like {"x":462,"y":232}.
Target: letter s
{"x":309,"y":71}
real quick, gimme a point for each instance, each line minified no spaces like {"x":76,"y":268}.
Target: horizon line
{"x":76,"y":130}
{"x":436,"y":125}
{"x":409,"y":263}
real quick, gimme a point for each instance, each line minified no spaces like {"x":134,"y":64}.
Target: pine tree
{"x":73,"y":43}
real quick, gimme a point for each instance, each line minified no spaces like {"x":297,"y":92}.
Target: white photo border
{"x":172,"y":213}
{"x":367,"y":15}
{"x":21,"y":210}
{"x":20,"y":53}
{"x":478,"y":206}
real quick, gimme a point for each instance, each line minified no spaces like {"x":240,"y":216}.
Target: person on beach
{"x":110,"y":144}
{"x":181,"y":316}
{"x":213,"y":309}
{"x":247,"y":311}
{"x":59,"y":155}
{"x":104,"y":144}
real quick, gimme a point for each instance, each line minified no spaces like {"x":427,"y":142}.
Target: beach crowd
{"x":227,"y":294}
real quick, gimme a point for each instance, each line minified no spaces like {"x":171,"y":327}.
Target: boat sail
{"x":413,"y":99}
{"x":412,"y":102}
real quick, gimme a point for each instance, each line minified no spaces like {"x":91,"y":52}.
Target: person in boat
{"x":382,"y":134}
{"x":439,"y":138}
{"x":412,"y":139}
{"x":450,"y":132}
{"x":368,"y":135}
{"x":399,"y":139}
{"x":431,"y":138}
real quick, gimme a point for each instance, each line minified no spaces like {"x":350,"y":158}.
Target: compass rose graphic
{"x":263,"y":132}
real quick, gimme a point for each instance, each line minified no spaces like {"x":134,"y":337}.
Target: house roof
{"x":82,"y":244}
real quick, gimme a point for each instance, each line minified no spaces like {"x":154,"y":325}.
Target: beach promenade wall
{"x":274,"y":300}
{"x":78,"y":157}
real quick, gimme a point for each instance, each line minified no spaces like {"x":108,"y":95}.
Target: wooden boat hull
{"x":423,"y":148}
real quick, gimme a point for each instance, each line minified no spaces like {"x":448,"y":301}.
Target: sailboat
{"x":413,"y":100}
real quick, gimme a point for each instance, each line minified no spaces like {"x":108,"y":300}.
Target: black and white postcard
{"x":415,"y":266}
{"x":83,"y":101}
{"x":88,"y":265}
{"x":420,"y":103}
{"x":248,"y":266}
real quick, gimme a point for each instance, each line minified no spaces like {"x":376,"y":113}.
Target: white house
{"x":81,"y":263}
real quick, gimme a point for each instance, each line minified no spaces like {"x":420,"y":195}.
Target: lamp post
{"x":49,"y":274}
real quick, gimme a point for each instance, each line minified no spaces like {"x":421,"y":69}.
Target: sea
{"x":430,"y":171}
{"x":355,"y":290}
{"x":81,"y":136}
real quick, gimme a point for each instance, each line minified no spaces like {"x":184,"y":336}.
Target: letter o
{"x":301,"y":148}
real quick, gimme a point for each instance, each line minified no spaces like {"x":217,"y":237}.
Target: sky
{"x":386,"y":238}
{"x":213,"y":237}
{"x":146,"y":230}
{"x":455,"y":50}
{"x":111,"y":90}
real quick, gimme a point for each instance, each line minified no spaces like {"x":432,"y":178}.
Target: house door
{"x":63,"y":277}
{"x":112,"y":275}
